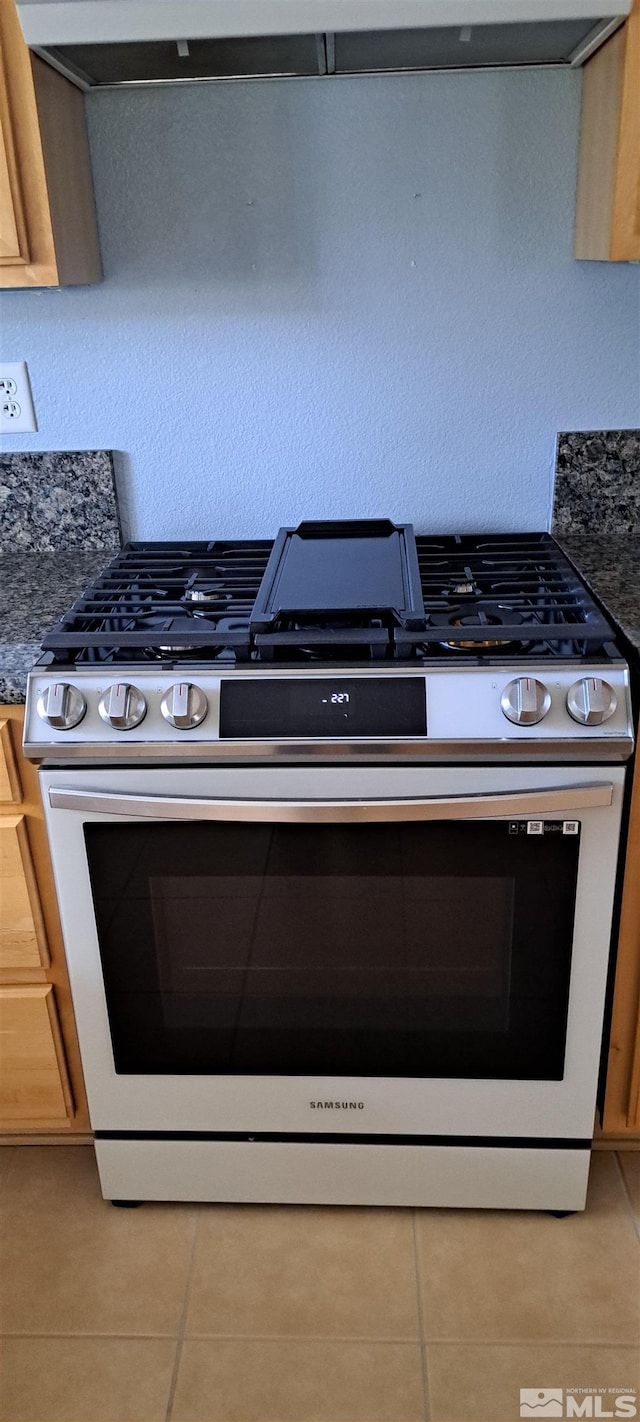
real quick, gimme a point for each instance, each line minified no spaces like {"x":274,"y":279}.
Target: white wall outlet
{"x":17,"y":415}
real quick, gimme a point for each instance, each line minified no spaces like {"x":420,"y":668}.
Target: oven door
{"x":378,"y":950}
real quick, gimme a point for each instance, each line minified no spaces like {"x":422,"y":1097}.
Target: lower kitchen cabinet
{"x":41,"y":1086}
{"x":34,"y":1083}
{"x":22,"y":937}
{"x":622,"y":1100}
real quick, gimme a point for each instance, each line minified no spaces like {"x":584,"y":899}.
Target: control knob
{"x":122,"y":706}
{"x":525,"y":701}
{"x":591,"y":701}
{"x":184,"y":705}
{"x":61,"y":705}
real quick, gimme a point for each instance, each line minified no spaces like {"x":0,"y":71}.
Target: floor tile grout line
{"x":423,"y":1347}
{"x":627,"y":1193}
{"x":448,"y":1342}
{"x":289,"y":1338}
{"x":234,"y":1337}
{"x":530,"y":1342}
{"x":101,"y":1337}
{"x":183,"y":1319}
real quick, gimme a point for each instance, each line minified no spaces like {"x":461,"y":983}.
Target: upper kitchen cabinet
{"x":48,"y":233}
{"x":608,"y":201}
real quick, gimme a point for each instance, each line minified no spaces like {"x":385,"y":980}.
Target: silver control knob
{"x":122,"y":706}
{"x":61,"y":705}
{"x":525,"y":701}
{"x":184,"y":705}
{"x":591,"y":701}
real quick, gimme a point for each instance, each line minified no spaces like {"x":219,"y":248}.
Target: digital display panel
{"x":283,"y":708}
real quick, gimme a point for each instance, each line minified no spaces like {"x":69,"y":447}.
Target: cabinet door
{"x":34,"y":1086}
{"x":608,"y":196}
{"x":22,"y":936}
{"x":622,"y":1100}
{"x":31,"y":948}
{"x":13,"y":239}
{"x":625,"y":226}
{"x":48,"y":234}
{"x":10,"y":789}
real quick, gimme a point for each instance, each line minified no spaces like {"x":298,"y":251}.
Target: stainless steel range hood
{"x":113,"y":42}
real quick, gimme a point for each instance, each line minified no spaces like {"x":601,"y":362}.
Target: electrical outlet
{"x":17,"y":415}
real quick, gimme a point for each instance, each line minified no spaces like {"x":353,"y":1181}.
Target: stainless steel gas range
{"x":334,"y":823}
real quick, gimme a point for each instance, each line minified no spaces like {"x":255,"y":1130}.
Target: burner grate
{"x":155,"y":596}
{"x":507,"y":589}
{"x":482,"y":598}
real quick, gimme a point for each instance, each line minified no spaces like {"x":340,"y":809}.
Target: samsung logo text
{"x":337,"y":1105}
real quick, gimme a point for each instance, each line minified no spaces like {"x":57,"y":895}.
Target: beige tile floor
{"x":173,"y":1313}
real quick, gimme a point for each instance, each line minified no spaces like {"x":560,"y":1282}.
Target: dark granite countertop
{"x":610,"y":564}
{"x":35,"y":589}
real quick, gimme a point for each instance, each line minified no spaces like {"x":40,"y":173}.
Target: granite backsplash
{"x":59,"y":526}
{"x":597,"y":487}
{"x":596,"y":517}
{"x":52,"y":502}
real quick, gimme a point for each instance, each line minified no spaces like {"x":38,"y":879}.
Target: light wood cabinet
{"x":22,"y":937}
{"x":10,"y":792}
{"x":608,"y":197}
{"x":34,"y":1085}
{"x":48,"y":233}
{"x":41,"y":1085}
{"x":622,"y":1101}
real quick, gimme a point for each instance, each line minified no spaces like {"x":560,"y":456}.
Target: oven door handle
{"x":567,"y":798}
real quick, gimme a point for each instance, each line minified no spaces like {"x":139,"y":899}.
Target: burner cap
{"x":484,"y":615}
{"x":206,"y":596}
{"x":172,"y":649}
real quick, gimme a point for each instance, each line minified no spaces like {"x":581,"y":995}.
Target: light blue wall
{"x":334,"y":298}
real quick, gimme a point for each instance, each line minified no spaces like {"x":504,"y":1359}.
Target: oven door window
{"x":438,"y":949}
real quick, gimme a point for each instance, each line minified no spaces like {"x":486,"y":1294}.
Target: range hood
{"x":114,"y":42}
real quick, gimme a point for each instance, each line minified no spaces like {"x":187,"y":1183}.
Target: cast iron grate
{"x":165,"y":599}
{"x":504,"y":591}
{"x":485,"y":598}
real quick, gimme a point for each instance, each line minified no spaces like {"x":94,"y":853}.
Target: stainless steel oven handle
{"x":568,"y":798}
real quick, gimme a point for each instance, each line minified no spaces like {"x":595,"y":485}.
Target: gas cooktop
{"x":335,"y":640}
{"x":355,"y":592}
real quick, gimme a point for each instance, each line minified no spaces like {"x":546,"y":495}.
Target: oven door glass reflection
{"x":438,"y":949}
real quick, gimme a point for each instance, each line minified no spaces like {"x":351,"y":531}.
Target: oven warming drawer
{"x":276,"y":1172}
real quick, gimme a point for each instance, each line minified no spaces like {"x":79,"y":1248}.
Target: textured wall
{"x":332,"y":299}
